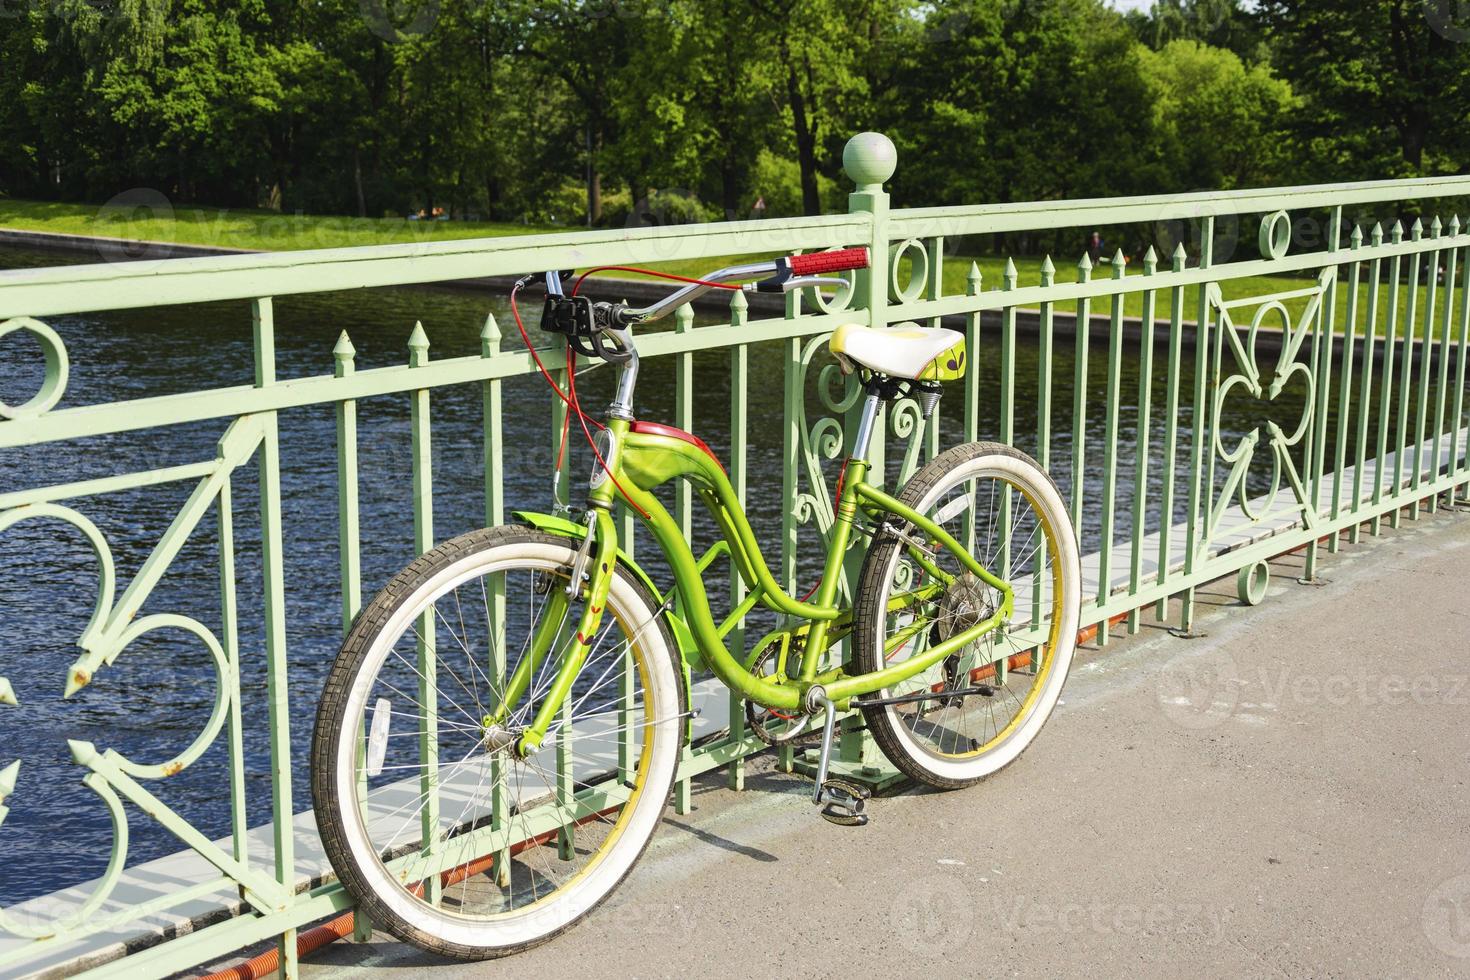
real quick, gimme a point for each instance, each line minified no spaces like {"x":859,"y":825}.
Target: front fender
{"x":689,"y":655}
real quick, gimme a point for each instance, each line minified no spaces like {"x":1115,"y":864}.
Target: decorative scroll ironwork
{"x":57,"y":369}
{"x":1265,"y":389}
{"x":906,"y":421}
{"x":112,"y":628}
{"x":823,"y":439}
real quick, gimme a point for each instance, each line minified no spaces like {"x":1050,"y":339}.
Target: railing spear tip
{"x":1454,"y":224}
{"x":344,"y":351}
{"x":1357,"y":236}
{"x":490,"y":332}
{"x":1417,"y":228}
{"x":82,"y":752}
{"x":1436,"y":228}
{"x":1048,"y":268}
{"x":77,"y":678}
{"x":973,"y":279}
{"x":1150,"y":259}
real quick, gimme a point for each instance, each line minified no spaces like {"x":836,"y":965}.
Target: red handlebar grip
{"x":815,"y":263}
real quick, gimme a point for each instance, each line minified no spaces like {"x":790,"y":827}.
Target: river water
{"x":153,"y":701}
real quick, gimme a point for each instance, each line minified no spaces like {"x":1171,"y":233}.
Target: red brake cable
{"x":582,"y":417}
{"x":650,"y":272}
{"x":569,"y":398}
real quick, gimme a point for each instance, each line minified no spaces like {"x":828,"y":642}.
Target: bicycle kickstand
{"x":842,"y":801}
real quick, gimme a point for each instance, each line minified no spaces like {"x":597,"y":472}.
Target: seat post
{"x":864,"y":436}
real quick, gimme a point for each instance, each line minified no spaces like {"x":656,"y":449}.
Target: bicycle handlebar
{"x":775,"y":276}
{"x":815,"y":263}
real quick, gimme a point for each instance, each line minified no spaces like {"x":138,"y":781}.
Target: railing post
{"x":273,"y":571}
{"x":350,"y":548}
{"x":1317,"y":440}
{"x":1201,"y":487}
{"x":423,"y":540}
{"x":1110,"y":452}
{"x":684,"y":503}
{"x":494,"y":464}
{"x":870,"y":160}
{"x":1345,"y":387}
{"x":739,"y":451}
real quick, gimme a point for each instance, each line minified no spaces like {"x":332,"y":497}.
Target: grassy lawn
{"x":234,"y":228}
{"x":992,"y":271}
{"x":273,"y":231}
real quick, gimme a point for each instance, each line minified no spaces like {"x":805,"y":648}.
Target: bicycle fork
{"x":592,"y":570}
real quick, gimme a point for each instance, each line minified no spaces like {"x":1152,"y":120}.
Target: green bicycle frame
{"x":639,"y":462}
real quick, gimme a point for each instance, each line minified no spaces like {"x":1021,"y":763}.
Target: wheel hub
{"x":499,"y":738}
{"x":964,"y":604}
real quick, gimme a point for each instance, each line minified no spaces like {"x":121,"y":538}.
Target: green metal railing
{"x":1351,"y":356}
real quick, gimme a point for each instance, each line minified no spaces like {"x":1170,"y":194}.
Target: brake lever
{"x":816,"y":282}
{"x":620,"y":354}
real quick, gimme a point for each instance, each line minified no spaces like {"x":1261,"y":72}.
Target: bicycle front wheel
{"x":442,"y":832}
{"x":976,"y":710}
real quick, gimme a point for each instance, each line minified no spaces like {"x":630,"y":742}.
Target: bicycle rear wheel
{"x":992,"y":697}
{"x":441,"y":831}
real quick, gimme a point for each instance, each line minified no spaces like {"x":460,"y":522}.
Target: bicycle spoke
{"x":1003,"y":525}
{"x":491,"y":861}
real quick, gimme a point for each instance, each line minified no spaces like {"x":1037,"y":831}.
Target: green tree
{"x":1040,"y":99}
{"x":589,"y":48}
{"x":1217,"y":123}
{"x":1383,"y":84}
{"x":811,"y":57}
{"x":1219,"y":23}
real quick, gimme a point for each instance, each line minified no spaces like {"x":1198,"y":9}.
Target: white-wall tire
{"x":340,"y":731}
{"x":896,"y":728}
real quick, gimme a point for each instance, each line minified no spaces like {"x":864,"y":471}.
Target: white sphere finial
{"x":869,"y":159}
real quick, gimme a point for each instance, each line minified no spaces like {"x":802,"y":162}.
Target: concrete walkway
{"x":1287,"y":795}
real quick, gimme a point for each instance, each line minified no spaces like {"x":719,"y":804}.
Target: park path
{"x":1284,"y":796}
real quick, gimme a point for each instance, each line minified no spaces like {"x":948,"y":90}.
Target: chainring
{"x":769,"y":725}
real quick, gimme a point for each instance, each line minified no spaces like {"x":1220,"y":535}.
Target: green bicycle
{"x":501,"y":731}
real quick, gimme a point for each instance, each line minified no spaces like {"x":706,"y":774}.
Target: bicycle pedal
{"x":844,"y":803}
